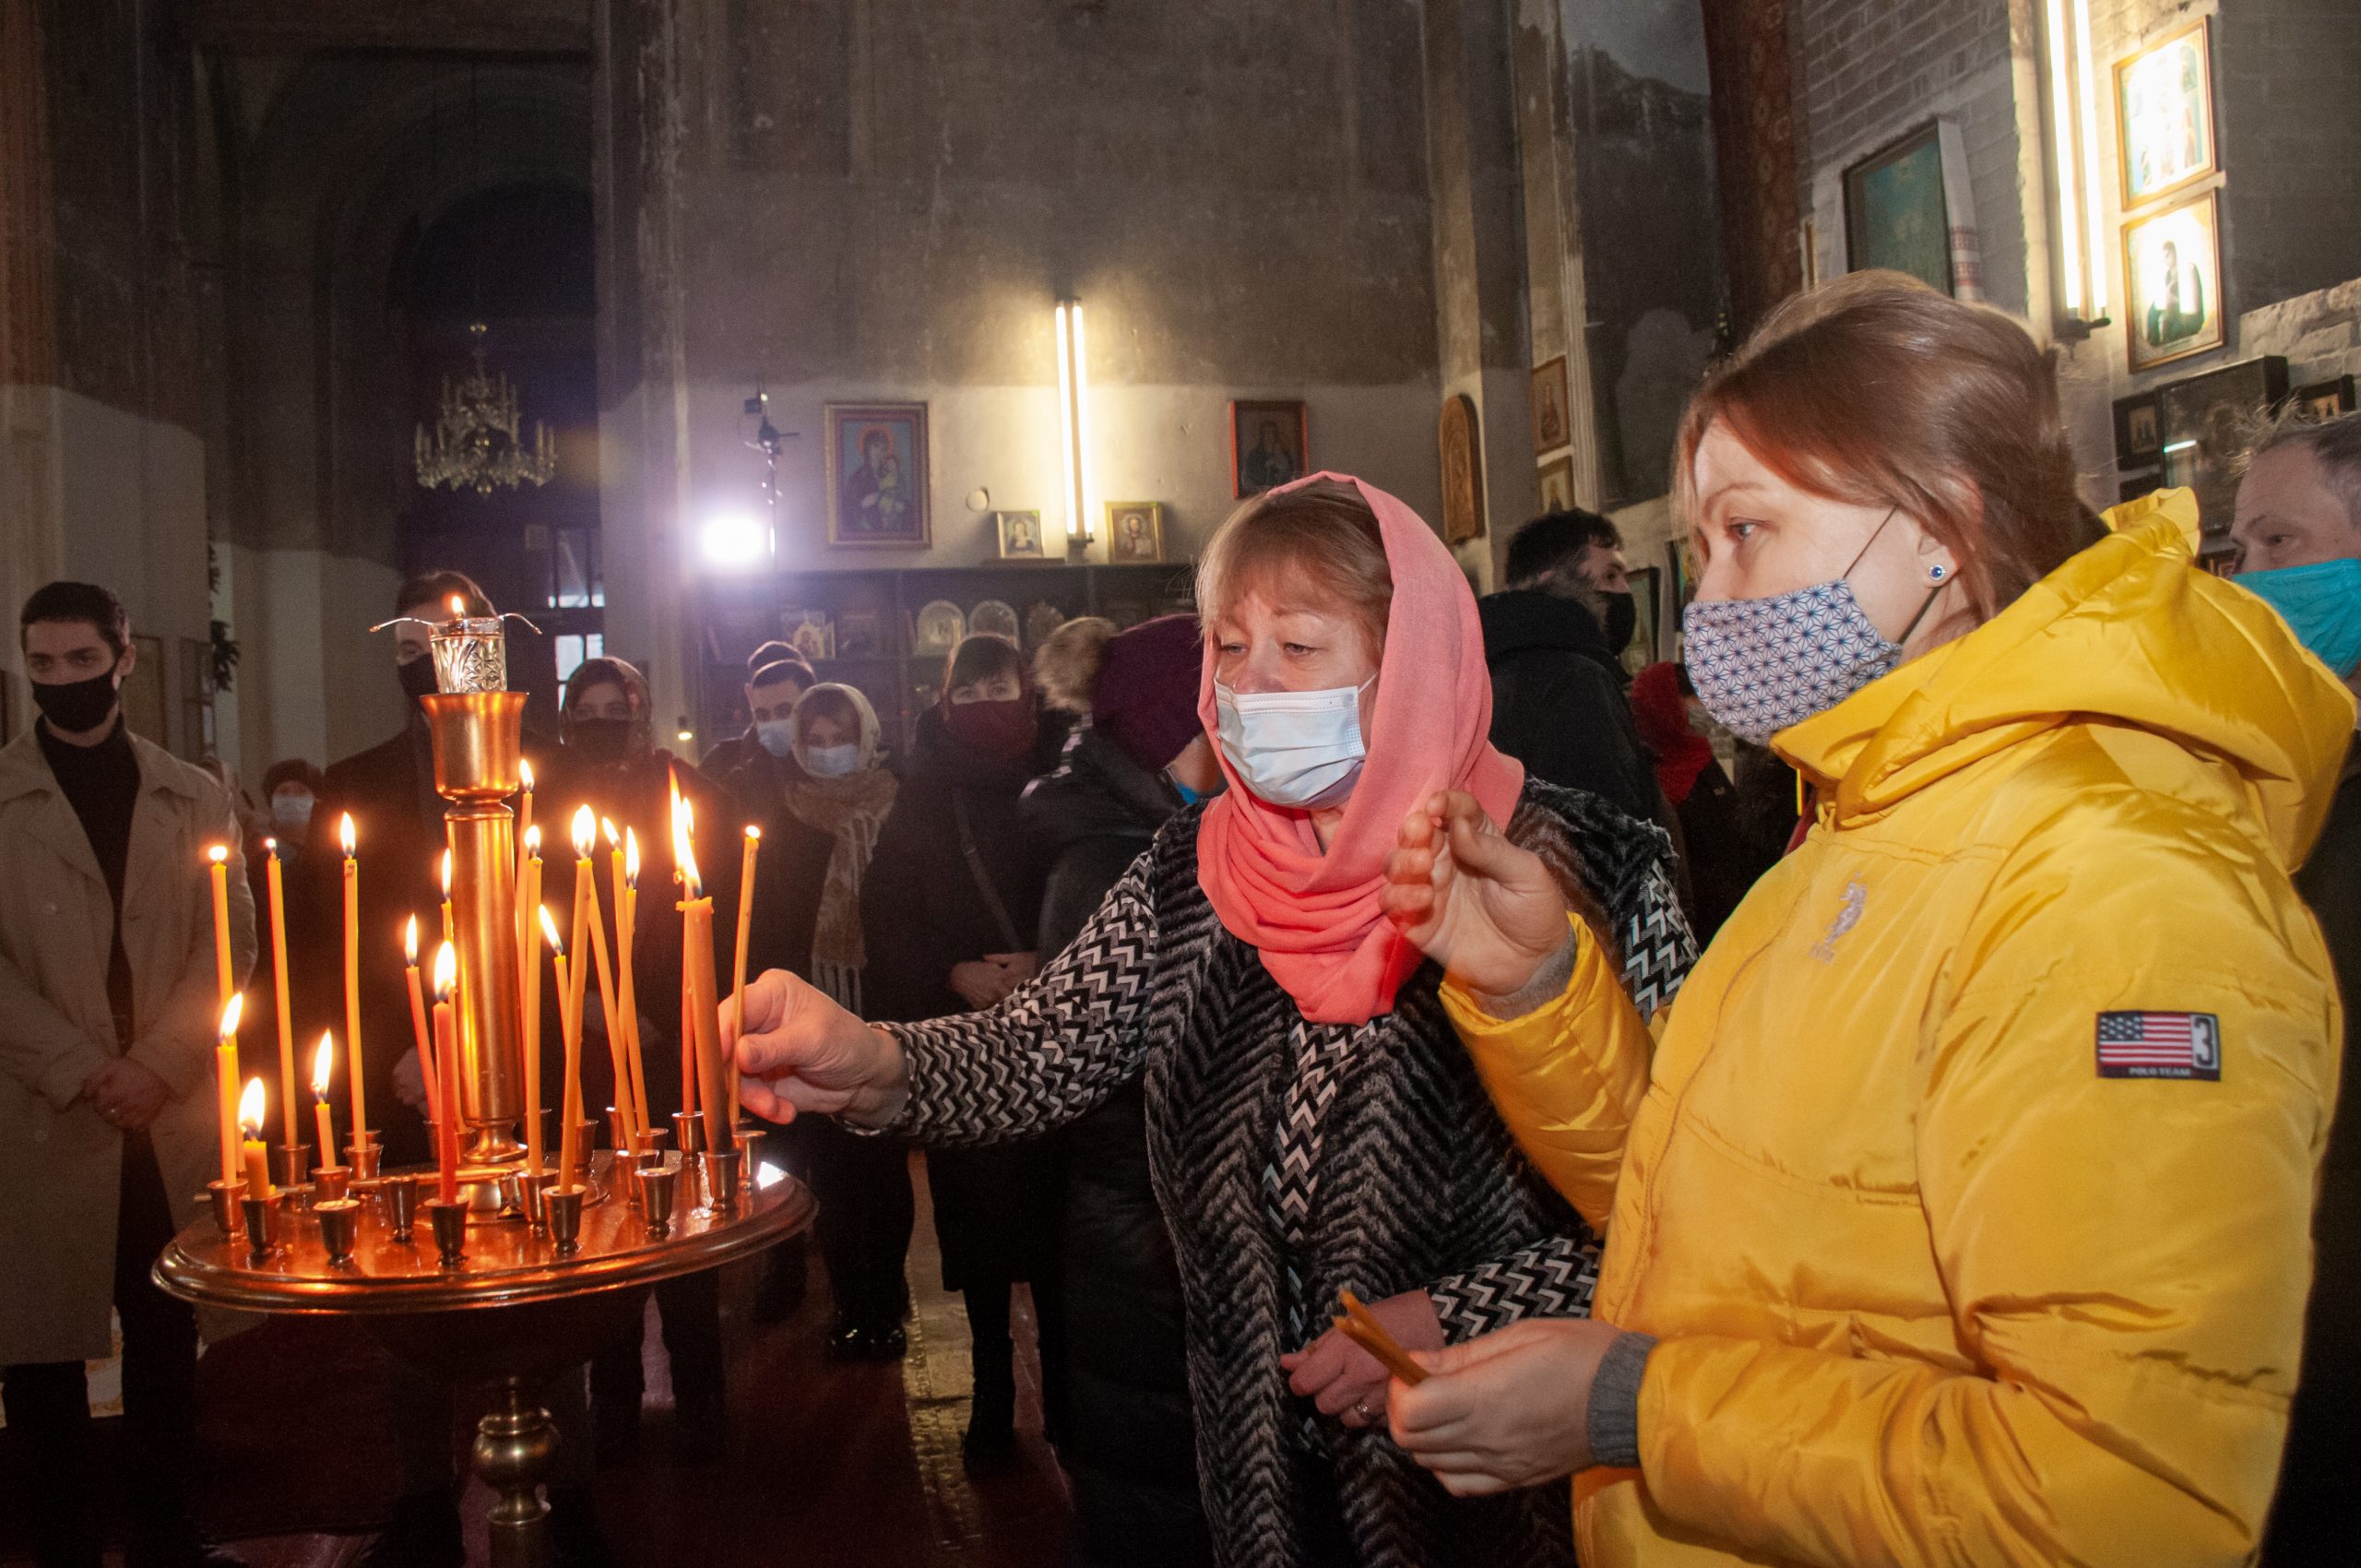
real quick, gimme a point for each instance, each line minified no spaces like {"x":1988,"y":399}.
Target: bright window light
{"x":2094,"y":208}
{"x":2061,"y":154}
{"x":733,"y":538}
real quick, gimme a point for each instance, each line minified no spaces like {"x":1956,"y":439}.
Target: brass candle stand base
{"x":509,"y":1311}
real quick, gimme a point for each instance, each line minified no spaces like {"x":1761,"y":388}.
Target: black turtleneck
{"x":102,"y":783}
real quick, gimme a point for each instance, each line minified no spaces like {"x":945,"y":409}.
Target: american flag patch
{"x":2160,"y":1045}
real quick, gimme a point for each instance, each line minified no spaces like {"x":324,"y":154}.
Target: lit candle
{"x":697,"y":981}
{"x":446,"y":1052}
{"x":738,"y":961}
{"x":607,"y":993}
{"x":529,"y":892}
{"x":225,"y":1075}
{"x":278,"y":976}
{"x":220,"y":855}
{"x":428,"y":1077}
{"x":569,"y":1112}
{"x":626,"y":942}
{"x":548,"y":932}
{"x":449,"y":933}
{"x":354,"y":1075}
{"x":525,"y":838}
{"x":250,"y":1107}
{"x":323,"y":1068}
{"x":586,"y":895}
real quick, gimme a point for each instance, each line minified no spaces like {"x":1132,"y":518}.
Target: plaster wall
{"x":312,"y":682}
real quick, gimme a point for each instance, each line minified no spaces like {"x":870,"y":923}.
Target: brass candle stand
{"x":508,"y":1284}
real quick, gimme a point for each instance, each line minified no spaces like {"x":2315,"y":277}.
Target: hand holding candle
{"x":225,"y":1075}
{"x":257,"y":1157}
{"x":323,"y":1068}
{"x":446,"y":1052}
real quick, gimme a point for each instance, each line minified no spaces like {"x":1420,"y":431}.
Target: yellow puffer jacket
{"x":1931,"y":1287}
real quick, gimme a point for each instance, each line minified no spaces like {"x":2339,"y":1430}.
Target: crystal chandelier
{"x":476,"y":443}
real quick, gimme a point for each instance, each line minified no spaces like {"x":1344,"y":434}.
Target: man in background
{"x":2298,"y":531}
{"x":109,"y":1009}
{"x":776,"y":677}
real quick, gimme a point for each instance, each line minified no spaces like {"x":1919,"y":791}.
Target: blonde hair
{"x":1066,"y":665}
{"x":1319,"y":540}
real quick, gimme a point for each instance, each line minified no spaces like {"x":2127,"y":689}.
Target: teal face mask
{"x":2320,"y":603}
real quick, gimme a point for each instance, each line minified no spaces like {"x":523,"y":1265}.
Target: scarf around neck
{"x":1313,"y":917}
{"x":851,"y":810}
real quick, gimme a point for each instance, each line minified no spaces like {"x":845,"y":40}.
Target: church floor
{"x":827,"y":1464}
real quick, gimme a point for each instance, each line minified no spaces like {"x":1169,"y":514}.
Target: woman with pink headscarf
{"x":1311,"y":1126}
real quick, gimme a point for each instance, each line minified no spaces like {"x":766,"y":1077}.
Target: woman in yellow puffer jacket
{"x":1960,"y":1214}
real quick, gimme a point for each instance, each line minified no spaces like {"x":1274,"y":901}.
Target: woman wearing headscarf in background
{"x":1722,"y":861}
{"x":1130,"y":1449}
{"x":949,"y":922}
{"x":1311,"y":1128}
{"x":1961,"y":1214}
{"x":610,"y":762}
{"x":824,"y":804}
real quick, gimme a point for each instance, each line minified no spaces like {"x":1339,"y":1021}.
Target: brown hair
{"x":1067,"y":663}
{"x":1875,"y":389}
{"x":2336,"y":443}
{"x":1320,"y":536}
{"x":823,"y":702}
{"x":438,"y":588}
{"x":981,"y":658}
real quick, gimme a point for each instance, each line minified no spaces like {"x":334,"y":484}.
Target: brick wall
{"x":2285,"y":74}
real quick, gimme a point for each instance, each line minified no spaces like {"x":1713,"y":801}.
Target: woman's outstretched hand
{"x":1488,"y":911}
{"x":797,"y":1051}
{"x":1509,"y":1409}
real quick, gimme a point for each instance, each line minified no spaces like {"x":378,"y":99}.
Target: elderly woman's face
{"x":1261,"y":645}
{"x":1758,"y":536}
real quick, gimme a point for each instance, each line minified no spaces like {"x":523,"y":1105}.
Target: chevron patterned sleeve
{"x":1050,"y":1054}
{"x":1553,"y":1278}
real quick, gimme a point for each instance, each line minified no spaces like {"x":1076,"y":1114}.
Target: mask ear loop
{"x":1924,"y":605}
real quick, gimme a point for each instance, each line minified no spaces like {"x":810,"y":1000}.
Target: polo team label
{"x":2160,"y":1045}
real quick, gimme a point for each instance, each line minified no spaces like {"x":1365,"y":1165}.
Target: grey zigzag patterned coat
{"x":1293,"y":1161}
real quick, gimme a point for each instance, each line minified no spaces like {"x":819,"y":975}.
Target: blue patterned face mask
{"x":1762,"y":664}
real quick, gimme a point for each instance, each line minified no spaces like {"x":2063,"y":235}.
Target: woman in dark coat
{"x":1311,"y":1130}
{"x":1724,"y":861}
{"x":1130,"y":1448}
{"x":949,"y":914}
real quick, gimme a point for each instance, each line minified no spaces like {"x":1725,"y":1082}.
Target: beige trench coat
{"x":60,"y":1161}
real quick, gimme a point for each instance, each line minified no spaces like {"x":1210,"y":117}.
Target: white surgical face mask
{"x":776,"y":736}
{"x":1294,"y":748}
{"x":831,"y":762}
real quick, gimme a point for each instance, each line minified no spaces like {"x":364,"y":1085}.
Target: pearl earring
{"x":1935,"y":573}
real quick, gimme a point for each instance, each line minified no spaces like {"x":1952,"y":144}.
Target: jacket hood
{"x":2130,"y":631}
{"x":1523,"y":620}
{"x":1097,"y":792}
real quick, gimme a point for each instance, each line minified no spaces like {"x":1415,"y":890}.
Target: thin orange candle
{"x":586,"y":895}
{"x":449,"y":929}
{"x":738,"y":960}
{"x":257,"y":1157}
{"x":627,"y":943}
{"x":447,"y":1050}
{"x":526,"y":844}
{"x":548,"y":932}
{"x":322,"y":1119}
{"x":569,"y":1115}
{"x":225,"y":1075}
{"x":353,"y":1077}
{"x":529,"y":892}
{"x":698,"y":980}
{"x":220,"y":855}
{"x":615,"y":1050}
{"x":424,"y":1041}
{"x":278,"y":894}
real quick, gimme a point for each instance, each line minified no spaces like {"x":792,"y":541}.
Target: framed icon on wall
{"x":1556,"y":476}
{"x":1020,"y":536}
{"x":2172,"y":282}
{"x":1895,"y":214}
{"x":877,"y":475}
{"x":1270,"y":444}
{"x":1135,"y":532}
{"x":1550,"y":428}
{"x":2164,"y":114}
{"x":1463,"y":470}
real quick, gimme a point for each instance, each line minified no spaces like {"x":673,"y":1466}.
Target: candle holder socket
{"x":619,"y":1133}
{"x":331,"y":1183}
{"x":534,"y":1191}
{"x":261,"y":1216}
{"x":658,"y":1189}
{"x":340,"y":1221}
{"x":564,"y":1205}
{"x":588,"y":1132}
{"x":450,"y":1223}
{"x":222,"y":1197}
{"x":400,"y":1194}
{"x":688,"y":1131}
{"x":363,"y":1154}
{"x":722,"y":1170}
{"x":294,"y":1164}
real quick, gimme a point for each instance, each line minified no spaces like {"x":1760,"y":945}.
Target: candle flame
{"x":270,"y":845}
{"x":684,"y":854}
{"x":525,"y":771}
{"x":323,"y":1065}
{"x":446,"y":971}
{"x":409,"y":943}
{"x":217,"y":854}
{"x":586,"y":833}
{"x":548,"y":933}
{"x":614,"y":839}
{"x":533,"y":842}
{"x":344,"y":832}
{"x":753,"y":832}
{"x":250,"y":1108}
{"x":230,"y":1010}
{"x":458,"y":607}
{"x":631,"y":858}
{"x":446,"y":873}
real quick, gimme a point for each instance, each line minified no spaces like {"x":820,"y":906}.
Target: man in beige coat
{"x":108,"y":1011}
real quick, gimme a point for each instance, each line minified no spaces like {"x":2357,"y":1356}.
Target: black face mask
{"x":600,"y":742}
{"x":1620,"y":619}
{"x":417,"y":677}
{"x":74,"y":707}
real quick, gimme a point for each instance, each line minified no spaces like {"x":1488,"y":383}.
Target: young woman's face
{"x":992,"y":688}
{"x":1758,"y":536}
{"x":822,"y":730}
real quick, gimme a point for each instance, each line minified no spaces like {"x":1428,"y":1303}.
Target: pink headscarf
{"x":1313,"y":917}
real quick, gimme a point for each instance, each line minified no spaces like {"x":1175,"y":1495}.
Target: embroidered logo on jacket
{"x":2160,"y":1045}
{"x":1856,"y":895}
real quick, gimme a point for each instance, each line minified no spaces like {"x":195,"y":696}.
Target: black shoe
{"x":885,"y":1342}
{"x":784,"y":1285}
{"x":990,"y":1442}
{"x":575,"y":1539}
{"x":424,"y":1533}
{"x":984,"y":1448}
